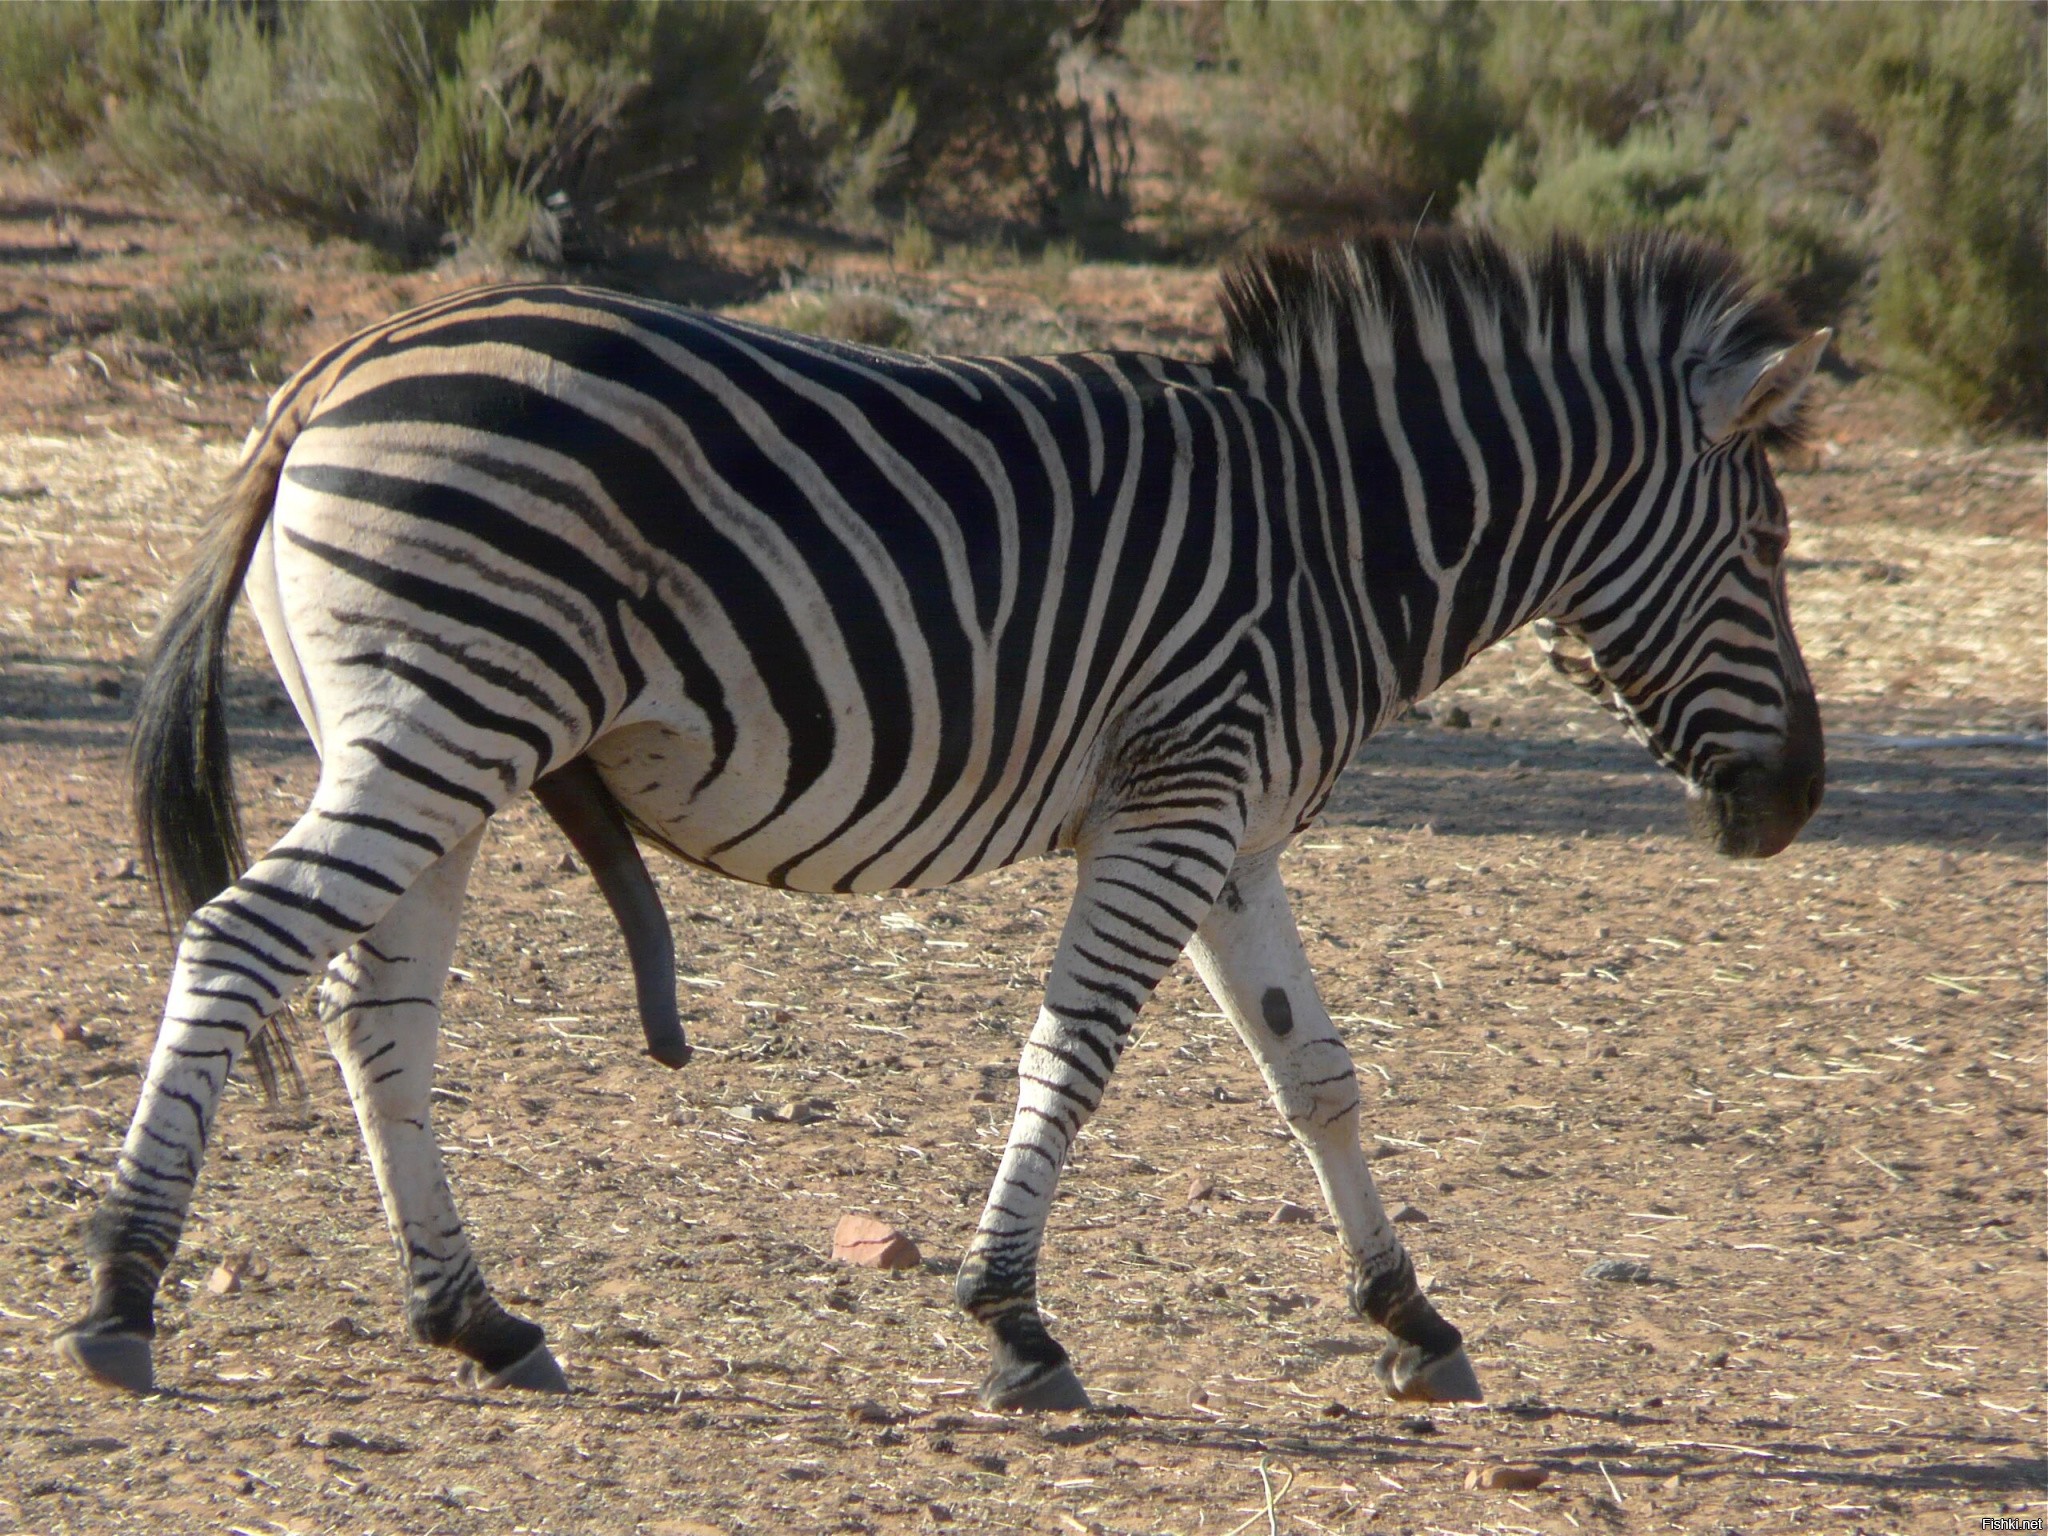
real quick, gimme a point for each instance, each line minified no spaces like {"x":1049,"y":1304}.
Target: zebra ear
{"x":1760,"y":391}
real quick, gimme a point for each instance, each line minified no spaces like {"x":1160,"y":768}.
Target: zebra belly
{"x":727,"y":825}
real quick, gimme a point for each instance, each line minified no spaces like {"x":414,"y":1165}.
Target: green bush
{"x":415,"y":124}
{"x":1962,"y":289}
{"x":411,"y":124}
{"x":407,"y":124}
{"x":885,"y":106}
{"x":48,"y":102}
{"x":1805,"y":244}
{"x":1334,"y":115}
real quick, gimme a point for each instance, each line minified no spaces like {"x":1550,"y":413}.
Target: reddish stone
{"x":873,"y":1244}
{"x":1504,"y":1477}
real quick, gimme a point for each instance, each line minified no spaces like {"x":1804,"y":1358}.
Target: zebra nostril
{"x":1814,"y":787}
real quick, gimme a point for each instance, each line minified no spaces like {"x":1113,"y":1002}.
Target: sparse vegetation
{"x":1884,"y":166}
{"x":866,"y":318}
{"x":220,"y":320}
{"x":1886,"y":163}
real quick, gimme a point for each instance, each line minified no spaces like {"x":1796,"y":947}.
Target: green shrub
{"x":1332,"y":115}
{"x":222,"y":321}
{"x":918,"y":100}
{"x":913,"y":249}
{"x":48,"y":100}
{"x":403,"y":123}
{"x":1807,"y":245}
{"x":415,"y":124}
{"x":410,"y":124}
{"x":1962,"y":290}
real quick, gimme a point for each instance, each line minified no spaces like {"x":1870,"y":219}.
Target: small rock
{"x":67,"y":1033}
{"x":121,"y":869}
{"x":1506,"y":1477}
{"x":752,"y":1112}
{"x":1336,"y":1410}
{"x":1619,"y":1271}
{"x":568,"y":866}
{"x":1287,"y":1213}
{"x":868,"y":1411}
{"x":346,"y":1327}
{"x":1405,"y":1212}
{"x":229,"y":1273}
{"x":1455,"y":718}
{"x":805,"y":1111}
{"x":1201,"y":1187}
{"x":1420,"y":1424}
{"x":873,"y":1244}
{"x":107,"y":687}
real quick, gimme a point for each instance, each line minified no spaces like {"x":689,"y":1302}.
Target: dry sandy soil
{"x":1807,"y":1094}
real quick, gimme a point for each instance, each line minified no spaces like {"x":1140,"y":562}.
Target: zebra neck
{"x":1463,"y":498}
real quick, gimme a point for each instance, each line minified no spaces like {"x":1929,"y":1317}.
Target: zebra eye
{"x":1767,"y":546}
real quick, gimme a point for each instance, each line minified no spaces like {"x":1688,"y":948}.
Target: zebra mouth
{"x":1751,"y":809}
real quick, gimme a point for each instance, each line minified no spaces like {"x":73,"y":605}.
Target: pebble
{"x":1619,"y":1271}
{"x":1287,"y":1213}
{"x":1407,"y":1213}
{"x":868,"y":1411}
{"x":1506,"y":1477}
{"x":229,"y":1273}
{"x":806,"y":1111}
{"x":1201,"y":1187}
{"x":873,"y":1244}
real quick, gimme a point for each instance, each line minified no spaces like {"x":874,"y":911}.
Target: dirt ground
{"x":1807,"y":1094}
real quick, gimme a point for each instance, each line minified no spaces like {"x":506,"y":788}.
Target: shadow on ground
{"x":1477,"y":783}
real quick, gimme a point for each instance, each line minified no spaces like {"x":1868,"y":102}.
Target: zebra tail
{"x":180,"y":766}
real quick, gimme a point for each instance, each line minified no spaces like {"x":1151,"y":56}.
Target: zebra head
{"x":1686,"y":631}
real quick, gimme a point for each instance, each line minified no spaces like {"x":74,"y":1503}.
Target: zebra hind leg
{"x":1136,"y":903}
{"x":381,"y":1005}
{"x":332,"y":878}
{"x":1249,"y":953}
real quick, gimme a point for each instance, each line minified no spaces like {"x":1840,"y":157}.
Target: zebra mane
{"x":1398,"y":292}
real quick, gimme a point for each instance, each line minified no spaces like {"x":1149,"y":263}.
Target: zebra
{"x":840,"y":619}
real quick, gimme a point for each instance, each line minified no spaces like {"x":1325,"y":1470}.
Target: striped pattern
{"x":839,"y":619}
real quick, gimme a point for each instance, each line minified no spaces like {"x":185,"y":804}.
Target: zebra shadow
{"x":1490,"y":783}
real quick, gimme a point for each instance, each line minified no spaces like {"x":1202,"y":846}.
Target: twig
{"x":1618,"y":1499}
{"x":1880,"y":1167}
{"x":1709,"y":1445}
{"x":1271,"y":1511}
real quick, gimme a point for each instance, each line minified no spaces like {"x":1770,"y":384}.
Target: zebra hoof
{"x":1409,"y":1378}
{"x":534,"y":1371}
{"x":111,"y":1359}
{"x":1035,"y":1389}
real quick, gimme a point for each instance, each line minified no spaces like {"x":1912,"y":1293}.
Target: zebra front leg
{"x":1249,"y":954}
{"x":381,"y":1005}
{"x":1136,"y":903}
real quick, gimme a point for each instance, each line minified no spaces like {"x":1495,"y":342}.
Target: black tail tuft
{"x":181,"y":773}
